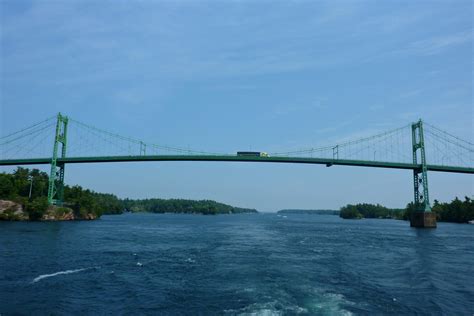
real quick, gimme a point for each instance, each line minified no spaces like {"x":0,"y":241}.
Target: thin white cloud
{"x":438,"y":44}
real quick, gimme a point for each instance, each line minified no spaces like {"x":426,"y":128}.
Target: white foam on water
{"x":267,"y":309}
{"x":263,"y":312}
{"x":330,"y":304}
{"x":44,"y":276}
{"x":302,"y":241}
{"x":256,"y":309}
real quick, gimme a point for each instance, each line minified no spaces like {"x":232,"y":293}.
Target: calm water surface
{"x":235,"y":264}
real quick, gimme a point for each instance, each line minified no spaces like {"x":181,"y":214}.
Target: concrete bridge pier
{"x":423,"y":220}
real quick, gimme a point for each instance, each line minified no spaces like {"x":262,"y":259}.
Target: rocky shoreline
{"x":13,"y":211}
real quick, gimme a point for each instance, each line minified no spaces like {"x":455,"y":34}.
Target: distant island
{"x":365,"y":210}
{"x":206,"y":207}
{"x":17,"y":203}
{"x":312,"y":212}
{"x":456,"y":211}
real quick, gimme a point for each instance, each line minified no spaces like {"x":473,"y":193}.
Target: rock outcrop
{"x":12,"y":211}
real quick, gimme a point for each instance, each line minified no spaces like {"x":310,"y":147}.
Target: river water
{"x":235,"y":265}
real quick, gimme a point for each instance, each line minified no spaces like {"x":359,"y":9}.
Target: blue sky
{"x":230,"y":75}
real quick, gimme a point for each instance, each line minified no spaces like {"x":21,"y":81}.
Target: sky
{"x":237,"y":75}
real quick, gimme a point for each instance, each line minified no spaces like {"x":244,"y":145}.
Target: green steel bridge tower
{"x":423,"y":216}
{"x":56,"y":176}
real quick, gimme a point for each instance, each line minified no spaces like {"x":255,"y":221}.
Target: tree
{"x":36,"y":208}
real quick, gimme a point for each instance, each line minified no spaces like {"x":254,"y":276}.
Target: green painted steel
{"x":233,"y":158}
{"x":142,"y":149}
{"x":56,"y":177}
{"x":419,"y":165}
{"x":420,"y":175}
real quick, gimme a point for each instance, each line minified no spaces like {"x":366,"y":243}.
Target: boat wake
{"x":44,"y":276}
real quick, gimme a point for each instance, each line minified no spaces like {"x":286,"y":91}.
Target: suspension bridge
{"x":419,"y":146}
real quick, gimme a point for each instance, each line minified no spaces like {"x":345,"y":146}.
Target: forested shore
{"x":23,"y":196}
{"x":206,"y":207}
{"x":456,"y":211}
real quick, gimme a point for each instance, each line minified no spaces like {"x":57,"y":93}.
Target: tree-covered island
{"x":206,"y":207}
{"x":456,"y":211}
{"x":365,"y":210}
{"x":310,"y":212}
{"x":23,"y":196}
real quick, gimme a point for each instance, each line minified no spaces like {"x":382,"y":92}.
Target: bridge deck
{"x":233,"y":158}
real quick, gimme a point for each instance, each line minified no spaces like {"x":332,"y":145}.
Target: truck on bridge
{"x":252,"y":153}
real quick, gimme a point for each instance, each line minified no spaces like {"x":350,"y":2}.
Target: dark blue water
{"x":235,"y":264}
